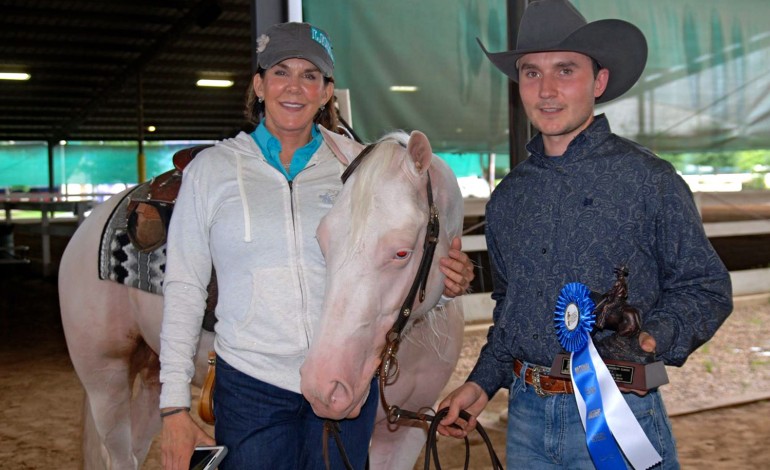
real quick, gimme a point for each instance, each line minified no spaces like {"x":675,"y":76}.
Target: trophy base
{"x":628,"y":375}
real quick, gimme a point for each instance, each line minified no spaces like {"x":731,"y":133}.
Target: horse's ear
{"x":420,"y":150}
{"x":344,"y":148}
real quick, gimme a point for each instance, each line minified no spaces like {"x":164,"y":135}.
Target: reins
{"x":389,"y":363}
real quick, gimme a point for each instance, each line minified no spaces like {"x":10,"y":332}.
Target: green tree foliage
{"x":742,"y":161}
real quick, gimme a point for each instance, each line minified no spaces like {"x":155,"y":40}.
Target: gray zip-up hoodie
{"x":236,"y":211}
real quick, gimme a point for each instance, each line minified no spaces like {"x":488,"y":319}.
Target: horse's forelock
{"x":398,"y":136}
{"x":368,"y":175}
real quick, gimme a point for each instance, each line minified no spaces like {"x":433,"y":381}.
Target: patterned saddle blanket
{"x":132,"y":248}
{"x":120,"y":261}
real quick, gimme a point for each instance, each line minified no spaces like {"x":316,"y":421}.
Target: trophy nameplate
{"x":627,"y":375}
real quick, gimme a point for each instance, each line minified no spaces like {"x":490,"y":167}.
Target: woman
{"x":250,"y":206}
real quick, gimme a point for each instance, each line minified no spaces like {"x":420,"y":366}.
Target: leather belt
{"x":538,"y":378}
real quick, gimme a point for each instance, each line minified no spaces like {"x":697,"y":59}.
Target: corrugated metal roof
{"x":84,"y":58}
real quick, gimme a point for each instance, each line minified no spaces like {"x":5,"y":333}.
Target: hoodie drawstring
{"x":244,"y":202}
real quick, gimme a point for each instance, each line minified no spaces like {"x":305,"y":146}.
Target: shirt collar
{"x":581,"y":145}
{"x":271,"y":149}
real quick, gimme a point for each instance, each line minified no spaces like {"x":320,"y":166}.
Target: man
{"x":585,"y":203}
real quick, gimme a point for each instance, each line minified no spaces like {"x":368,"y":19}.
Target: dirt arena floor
{"x":42,"y":396}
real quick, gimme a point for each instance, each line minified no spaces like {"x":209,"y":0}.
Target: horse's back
{"x":82,"y":250}
{"x":80,"y":262}
{"x":92,"y":310}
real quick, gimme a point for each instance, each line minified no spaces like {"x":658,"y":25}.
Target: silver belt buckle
{"x":536,"y":382}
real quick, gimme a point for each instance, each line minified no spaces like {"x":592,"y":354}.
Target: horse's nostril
{"x":340,"y":395}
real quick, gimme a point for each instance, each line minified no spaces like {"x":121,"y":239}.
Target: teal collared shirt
{"x":271,"y":148}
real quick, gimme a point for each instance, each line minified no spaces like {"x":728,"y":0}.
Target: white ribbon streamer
{"x":621,"y":420}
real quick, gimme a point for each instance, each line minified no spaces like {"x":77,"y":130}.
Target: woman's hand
{"x":179,"y":436}
{"x":458,"y":269}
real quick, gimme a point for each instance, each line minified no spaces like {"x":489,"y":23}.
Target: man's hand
{"x":469,"y":397}
{"x":458,"y":269}
{"x":647,"y":342}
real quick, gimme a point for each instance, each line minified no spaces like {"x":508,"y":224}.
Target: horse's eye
{"x":403,"y":254}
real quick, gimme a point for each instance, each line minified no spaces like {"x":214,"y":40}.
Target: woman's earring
{"x":260,"y":99}
{"x":322,"y":107}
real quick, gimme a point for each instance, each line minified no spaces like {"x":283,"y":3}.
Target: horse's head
{"x":372,"y":240}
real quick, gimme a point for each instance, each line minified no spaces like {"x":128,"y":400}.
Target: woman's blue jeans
{"x":546,"y":432}
{"x":264,"y":426}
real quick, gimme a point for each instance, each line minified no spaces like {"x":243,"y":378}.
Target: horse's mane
{"x":437,"y":334}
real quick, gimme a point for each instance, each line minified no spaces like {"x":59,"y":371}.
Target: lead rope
{"x":431,"y":446}
{"x":389,"y":364}
{"x":388,"y":371}
{"x":333,"y":428}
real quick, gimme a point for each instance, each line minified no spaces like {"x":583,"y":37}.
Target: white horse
{"x":113,"y":331}
{"x":372,"y":240}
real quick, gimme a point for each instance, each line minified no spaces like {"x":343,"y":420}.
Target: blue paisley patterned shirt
{"x":606,"y":202}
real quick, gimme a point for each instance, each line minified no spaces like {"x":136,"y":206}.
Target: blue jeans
{"x":264,"y":426}
{"x":546,"y":432}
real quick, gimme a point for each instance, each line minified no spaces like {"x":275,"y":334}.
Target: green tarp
{"x":706,"y":86}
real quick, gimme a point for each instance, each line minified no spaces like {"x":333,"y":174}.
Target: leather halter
{"x":394,"y":335}
{"x":389,"y":363}
{"x":393,"y":339}
{"x":429,"y":248}
{"x":356,"y":162}
{"x":421,"y":277}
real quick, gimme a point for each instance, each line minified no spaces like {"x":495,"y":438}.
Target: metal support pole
{"x":265,"y":13}
{"x":50,"y":167}
{"x":141,"y":162}
{"x":519,"y":128}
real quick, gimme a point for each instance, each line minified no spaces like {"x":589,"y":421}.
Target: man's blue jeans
{"x":546,"y":432}
{"x":264,"y":426}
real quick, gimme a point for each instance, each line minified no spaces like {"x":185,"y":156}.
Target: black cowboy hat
{"x":555,"y":25}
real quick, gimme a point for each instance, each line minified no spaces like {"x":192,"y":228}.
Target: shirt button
{"x":539,"y":293}
{"x":544,"y":250}
{"x":534,"y":336}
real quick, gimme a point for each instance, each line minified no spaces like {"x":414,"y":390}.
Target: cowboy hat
{"x":555,"y":25}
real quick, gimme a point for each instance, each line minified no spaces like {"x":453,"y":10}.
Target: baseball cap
{"x":295,"y":40}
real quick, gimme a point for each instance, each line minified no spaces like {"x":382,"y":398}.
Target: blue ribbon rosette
{"x":609,"y":423}
{"x":574,"y":319}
